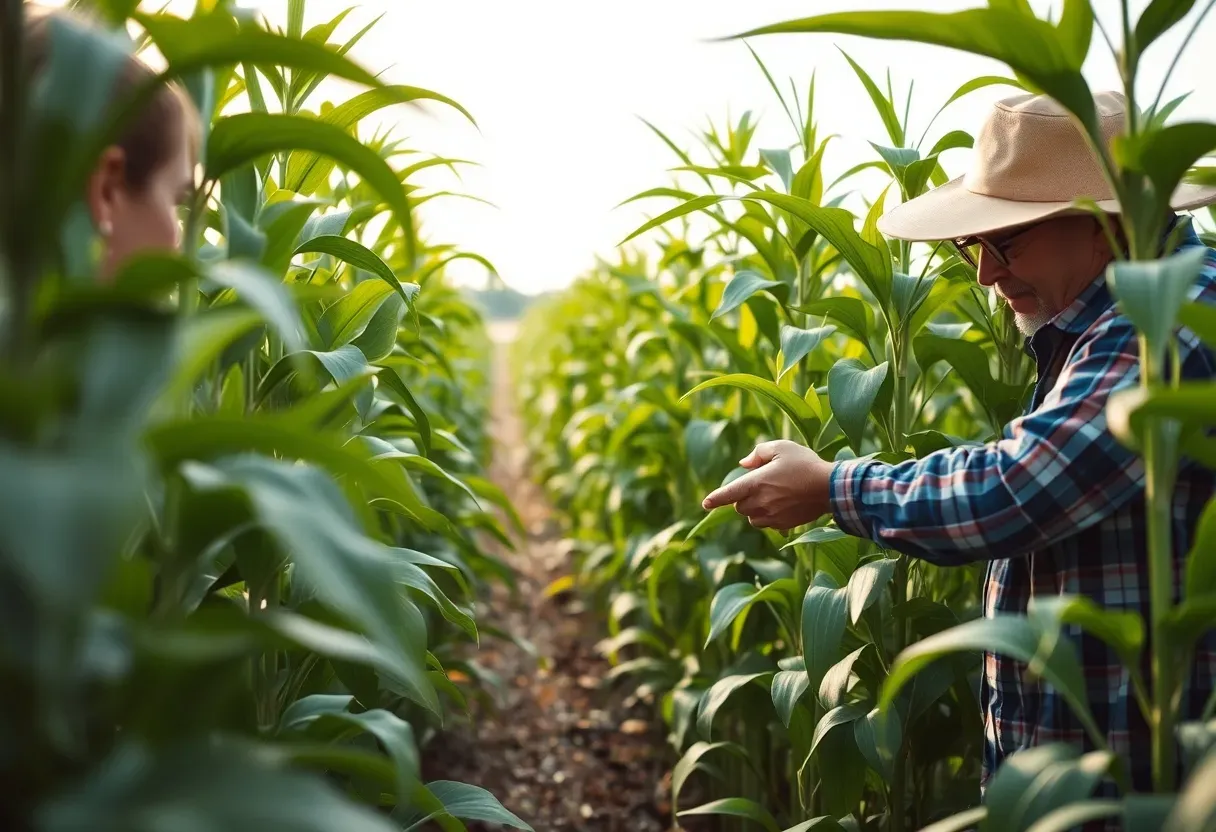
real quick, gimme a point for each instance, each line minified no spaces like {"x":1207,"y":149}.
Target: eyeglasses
{"x":996,"y":249}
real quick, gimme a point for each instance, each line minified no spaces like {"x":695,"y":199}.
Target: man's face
{"x":1049,"y":265}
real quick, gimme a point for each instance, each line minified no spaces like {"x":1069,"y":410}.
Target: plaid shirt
{"x":1056,"y":506}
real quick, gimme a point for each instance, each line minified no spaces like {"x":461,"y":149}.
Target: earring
{"x":105,"y":228}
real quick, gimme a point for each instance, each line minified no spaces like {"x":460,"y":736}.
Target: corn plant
{"x":797,"y":325}
{"x":241,"y":482}
{"x":1164,"y":418}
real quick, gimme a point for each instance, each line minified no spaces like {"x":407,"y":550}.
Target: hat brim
{"x":952,"y":212}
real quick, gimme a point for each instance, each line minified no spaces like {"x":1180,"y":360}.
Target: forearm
{"x":950,"y":508}
{"x":1001,"y":500}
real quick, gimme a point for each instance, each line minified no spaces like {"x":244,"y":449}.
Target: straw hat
{"x":1031,"y":161}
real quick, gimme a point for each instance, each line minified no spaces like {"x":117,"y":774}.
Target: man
{"x":1057,"y":505}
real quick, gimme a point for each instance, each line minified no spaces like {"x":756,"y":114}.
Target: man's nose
{"x":989,"y":271}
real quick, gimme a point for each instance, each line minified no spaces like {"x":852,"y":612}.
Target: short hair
{"x":155,"y":133}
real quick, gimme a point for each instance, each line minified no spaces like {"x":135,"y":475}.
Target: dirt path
{"x":561,"y":753}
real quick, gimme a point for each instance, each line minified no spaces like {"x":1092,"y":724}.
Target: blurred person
{"x":1056,"y":505}
{"x":138,"y":183}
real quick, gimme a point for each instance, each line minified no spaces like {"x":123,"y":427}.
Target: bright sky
{"x":557,"y":89}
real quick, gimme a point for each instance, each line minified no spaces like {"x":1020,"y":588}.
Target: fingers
{"x":730,"y":493}
{"x":763,"y":453}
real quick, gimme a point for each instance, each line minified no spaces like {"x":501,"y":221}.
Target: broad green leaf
{"x":879,"y":735}
{"x":1200,"y":318}
{"x":305,"y":710}
{"x":972,"y":365}
{"x":395,"y":735}
{"x":739,"y":807}
{"x":872,"y":266}
{"x":1059,"y":785}
{"x":258,"y":288}
{"x":950,"y":141}
{"x":282,"y":222}
{"x":727,"y":603}
{"x":824,"y":615}
{"x":823,"y":823}
{"x":342,"y":365}
{"x":469,"y":802}
{"x":866,"y":585}
{"x":1027,"y":45}
{"x":798,"y":411}
{"x":741,"y":287}
{"x":1122,"y":630}
{"x":393,"y":382}
{"x":309,"y":516}
{"x":960,"y":822}
{"x":379,"y":337}
{"x":216,"y":785}
{"x":851,"y":315}
{"x":821,"y":534}
{"x":414,"y":577}
{"x":189,"y":45}
{"x":691,"y":761}
{"x":346,"y":319}
{"x":211,"y":437}
{"x":840,"y":715}
{"x":1157,"y":18}
{"x":1076,"y":28}
{"x":852,"y":392}
{"x":842,"y":771}
{"x":788,"y":688}
{"x":201,"y":340}
{"x":714,"y":698}
{"x":699,"y":203}
{"x":245,"y":137}
{"x":1146,"y":811}
{"x":1196,"y":806}
{"x":361,"y":257}
{"x":797,"y":343}
{"x":779,"y":162}
{"x":1201,"y":562}
{"x":1150,"y":293}
{"x":308,"y":171}
{"x":1013,"y":781}
{"x":1013,"y":636}
{"x":1077,"y":815}
{"x":835,"y":682}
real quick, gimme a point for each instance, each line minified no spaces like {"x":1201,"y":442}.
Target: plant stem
{"x":899,"y":775}
{"x":1158,"y":486}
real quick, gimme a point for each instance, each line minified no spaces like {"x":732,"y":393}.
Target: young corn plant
{"x":240,"y":480}
{"x":821,"y":325}
{"x":1165,"y":418}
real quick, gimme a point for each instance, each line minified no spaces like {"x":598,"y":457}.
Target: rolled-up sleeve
{"x":1056,"y":471}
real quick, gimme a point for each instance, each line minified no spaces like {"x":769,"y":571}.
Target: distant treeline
{"x":501,"y":303}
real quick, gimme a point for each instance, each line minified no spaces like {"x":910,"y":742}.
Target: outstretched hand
{"x":786,"y":486}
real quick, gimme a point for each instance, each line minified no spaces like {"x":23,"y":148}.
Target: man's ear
{"x":106,"y":187}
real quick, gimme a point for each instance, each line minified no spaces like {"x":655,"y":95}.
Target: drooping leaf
{"x":246,"y":137}
{"x":798,"y":411}
{"x":797,"y":343}
{"x":739,"y":807}
{"x":742,"y":286}
{"x":852,"y":391}
{"x":824,"y":615}
{"x":1012,"y":636}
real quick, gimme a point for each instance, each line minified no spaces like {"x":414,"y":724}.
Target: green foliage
{"x":243,"y":482}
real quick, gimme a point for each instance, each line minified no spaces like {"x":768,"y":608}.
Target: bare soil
{"x":560,"y":750}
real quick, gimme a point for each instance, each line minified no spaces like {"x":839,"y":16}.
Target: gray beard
{"x":1029,"y":323}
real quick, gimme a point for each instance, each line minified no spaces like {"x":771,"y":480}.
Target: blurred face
{"x":138,"y":217}
{"x":1045,"y":266}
